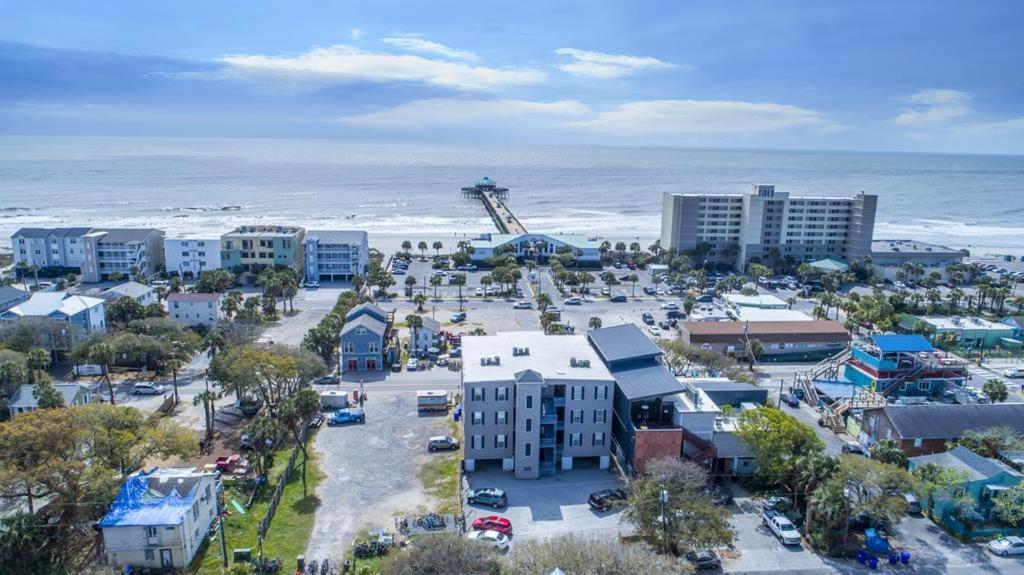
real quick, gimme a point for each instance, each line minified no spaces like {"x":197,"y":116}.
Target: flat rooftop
{"x":548,"y":355}
{"x":911,"y":246}
{"x":760,"y":300}
{"x":265,"y":231}
{"x":941,"y":322}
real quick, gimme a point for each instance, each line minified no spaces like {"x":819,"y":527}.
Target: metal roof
{"x":130,"y":289}
{"x":964,"y":459}
{"x":367,"y":308}
{"x":364,"y":320}
{"x":913,"y":343}
{"x":25,"y":397}
{"x":47,"y":232}
{"x":622,"y":343}
{"x":126,"y":235}
{"x":650,"y":380}
{"x":950,"y":421}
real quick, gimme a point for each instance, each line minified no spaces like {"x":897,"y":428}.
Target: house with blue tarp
{"x":160,"y":518}
{"x":903,"y":365}
{"x":368,"y":339}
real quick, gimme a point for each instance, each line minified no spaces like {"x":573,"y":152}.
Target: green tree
{"x":1009,"y":506}
{"x":573,"y":553}
{"x":419,"y":299}
{"x":995,"y":390}
{"x":988,"y":442}
{"x":414,"y":322}
{"x":102,"y":354}
{"x":406,"y":245}
{"x":422,"y":246}
{"x":595,"y":323}
{"x":47,"y":395}
{"x":778,"y":441}
{"x":124,"y":310}
{"x":263,"y":433}
{"x":888,"y":451}
{"x":296,"y":413}
{"x":435,"y":282}
{"x":437,"y":247}
{"x":444,"y":553}
{"x":758,"y":270}
{"x":36,"y":362}
{"x":460,"y":281}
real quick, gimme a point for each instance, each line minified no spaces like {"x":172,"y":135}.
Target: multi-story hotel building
{"x":535,"y":403}
{"x":765,"y":225}
{"x":248,"y":249}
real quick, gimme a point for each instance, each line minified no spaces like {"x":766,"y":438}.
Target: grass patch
{"x":440,"y":478}
{"x":289,"y":531}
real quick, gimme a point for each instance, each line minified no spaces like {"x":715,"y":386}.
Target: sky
{"x":916,"y":76}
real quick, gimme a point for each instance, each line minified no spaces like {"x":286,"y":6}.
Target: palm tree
{"x":595,"y":323}
{"x":633,"y":278}
{"x":635,"y":248}
{"x":414,"y":322}
{"x":410,"y":282}
{"x":103,"y":354}
{"x":620,"y":247}
{"x":422,"y":246}
{"x":437,"y":248}
{"x":460,"y":280}
{"x":435,"y":282}
{"x":37,"y":360}
{"x":406,"y":245}
{"x":486,"y":281}
{"x":419,"y":299}
{"x":543,"y":301}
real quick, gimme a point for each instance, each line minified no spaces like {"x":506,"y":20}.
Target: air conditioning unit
{"x":497,"y":360}
{"x":572,"y":362}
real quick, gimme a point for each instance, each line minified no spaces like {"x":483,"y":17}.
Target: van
{"x":913,"y":505}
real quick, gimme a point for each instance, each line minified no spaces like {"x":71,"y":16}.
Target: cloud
{"x":345,"y":64}
{"x":355,"y":33}
{"x":414,"y":44}
{"x":606,"y":66}
{"x":933,"y":107}
{"x":999,"y":127}
{"x":451,"y":111}
{"x":703,"y":117}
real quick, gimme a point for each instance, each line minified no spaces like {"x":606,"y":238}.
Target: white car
{"x":899,"y":285}
{"x":1007,"y":546}
{"x":479,"y":292}
{"x":523,"y":305}
{"x":1014,"y":372}
{"x":147,"y":389}
{"x":573,"y":301}
{"x":495,"y":539}
{"x":670,"y":305}
{"x":655,"y":330}
{"x":412,"y":365}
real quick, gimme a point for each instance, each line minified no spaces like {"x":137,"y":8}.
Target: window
{"x":575,"y":439}
{"x":917,"y":442}
{"x":601,"y":392}
{"x":151,"y":532}
{"x":528,"y":449}
{"x":374,"y":347}
{"x":577,"y":416}
{"x":577,"y":392}
{"x":501,"y":417}
{"x":501,"y":394}
{"x":478,"y":394}
{"x":529,"y":424}
{"x":476,"y":441}
{"x":598,"y":440}
{"x":478,"y":418}
{"x":501,"y":441}
{"x":600,"y":415}
{"x":529,"y":402}
{"x":150,"y":556}
{"x":360,"y":331}
{"x":923,"y":385}
{"x":350,"y":347}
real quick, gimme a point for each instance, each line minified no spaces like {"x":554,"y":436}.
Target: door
{"x":371,"y":364}
{"x":166,"y":559}
{"x":353,"y":364}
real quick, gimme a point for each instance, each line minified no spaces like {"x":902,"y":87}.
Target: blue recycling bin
{"x":873,"y":562}
{"x":894,"y":558}
{"x":905,"y":557}
{"x":862,"y":557}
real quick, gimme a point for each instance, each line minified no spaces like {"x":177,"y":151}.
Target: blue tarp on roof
{"x":136,"y":504}
{"x":913,"y":343}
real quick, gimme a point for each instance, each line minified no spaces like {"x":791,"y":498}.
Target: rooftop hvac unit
{"x":585,"y":363}
{"x":526,"y":351}
{"x":483,"y":361}
{"x":497,"y":360}
{"x":572,"y":362}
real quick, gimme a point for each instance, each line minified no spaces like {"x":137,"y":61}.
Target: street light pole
{"x":781,"y":381}
{"x":664,"y":521}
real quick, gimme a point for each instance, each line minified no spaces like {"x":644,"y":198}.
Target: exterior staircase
{"x":706,"y":449}
{"x":910,"y":375}
{"x":827,"y":368}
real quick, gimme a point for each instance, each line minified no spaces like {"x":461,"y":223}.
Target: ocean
{"x":412,"y":191}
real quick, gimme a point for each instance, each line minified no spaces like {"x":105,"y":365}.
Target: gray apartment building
{"x":52,"y":249}
{"x":92,"y":252}
{"x":765,"y":224}
{"x":332,"y":255}
{"x":535,"y":403}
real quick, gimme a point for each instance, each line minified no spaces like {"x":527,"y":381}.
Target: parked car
{"x":606,"y":499}
{"x":439,"y":442}
{"x":479,"y":292}
{"x":1007,"y":546}
{"x":863,"y":520}
{"x":718,"y":494}
{"x":573,"y":301}
{"x":1014,"y":372}
{"x":467,"y":268}
{"x":913,"y":505}
{"x":605,"y":291}
{"x":670,"y":305}
{"x":790,"y":400}
{"x":782,"y":527}
{"x":412,"y":365}
{"x":775,"y":503}
{"x":675,"y":314}
{"x":655,"y":330}
{"x":649,"y":290}
{"x":313,"y":284}
{"x":327,"y":380}
{"x":854,"y":448}
{"x":316,"y":421}
{"x":706,"y":298}
{"x":618,"y":298}
{"x":148,"y":389}
{"x":493,"y":523}
{"x":397,"y":366}
{"x":523,"y":305}
{"x":398,"y":272}
{"x":704,"y":559}
{"x":458,"y":317}
{"x":493,"y":538}
{"x":349,"y":415}
{"x":647,"y":318}
{"x":490,"y":496}
{"x":665,"y":325}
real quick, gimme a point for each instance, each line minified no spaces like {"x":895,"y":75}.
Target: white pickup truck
{"x":782,"y":527}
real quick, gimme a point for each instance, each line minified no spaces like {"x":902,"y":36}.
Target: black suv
{"x":606,"y":499}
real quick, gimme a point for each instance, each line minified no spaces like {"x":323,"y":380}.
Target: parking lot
{"x":311,"y":305}
{"x":550,"y":505}
{"x":371,"y":471}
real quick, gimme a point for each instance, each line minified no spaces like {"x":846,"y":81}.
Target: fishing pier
{"x":487,"y":191}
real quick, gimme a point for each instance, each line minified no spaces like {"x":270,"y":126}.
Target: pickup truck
{"x":782,"y":527}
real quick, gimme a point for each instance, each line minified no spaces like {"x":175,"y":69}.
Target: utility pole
{"x":779,"y":405}
{"x":664,"y":521}
{"x":223,"y":545}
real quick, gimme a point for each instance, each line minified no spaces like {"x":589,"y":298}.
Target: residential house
{"x":195,"y":309}
{"x":75,"y":316}
{"x":779,"y":339}
{"x":367,"y":339}
{"x":141,"y":293}
{"x":121,"y":250}
{"x":189,"y":255}
{"x":534,"y":403}
{"x":160,"y":518}
{"x":426,"y":337}
{"x":335,"y":254}
{"x":24,"y":398}
{"x":985,"y":479}
{"x":926,"y":429}
{"x":247,"y":250}
{"x":10,"y":297}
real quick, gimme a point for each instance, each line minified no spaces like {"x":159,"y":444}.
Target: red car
{"x":493,"y":523}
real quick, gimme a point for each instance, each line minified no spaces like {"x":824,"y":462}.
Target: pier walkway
{"x":493,"y":198}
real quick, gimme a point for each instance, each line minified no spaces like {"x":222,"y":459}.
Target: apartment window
{"x":478,"y":394}
{"x":917,"y":442}
{"x":185,"y":254}
{"x":195,"y":511}
{"x":600,"y":415}
{"x":577,"y":416}
{"x":478,"y":418}
{"x":501,"y":417}
{"x":600,"y":392}
{"x":528,"y":449}
{"x":501,"y":394}
{"x":529,"y":424}
{"x":501,"y":441}
{"x":529,"y":402}
{"x":575,"y":439}
{"x":577,"y":392}
{"x":350,"y":347}
{"x":360,"y":331}
{"x":476,"y":441}
{"x":151,"y":532}
{"x":598,"y":440}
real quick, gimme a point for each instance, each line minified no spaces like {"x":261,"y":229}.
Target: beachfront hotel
{"x":764,"y":224}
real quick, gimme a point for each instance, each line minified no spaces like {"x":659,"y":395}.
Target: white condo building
{"x":189,"y":255}
{"x":335,"y":254}
{"x":763,"y":225}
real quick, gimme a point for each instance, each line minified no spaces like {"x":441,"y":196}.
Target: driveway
{"x":551,"y":505}
{"x":761,"y":552}
{"x":935,"y":551}
{"x":371,"y":471}
{"x":311,"y":306}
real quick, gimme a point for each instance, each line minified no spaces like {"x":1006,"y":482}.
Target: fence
{"x":264,"y":524}
{"x":985,"y":531}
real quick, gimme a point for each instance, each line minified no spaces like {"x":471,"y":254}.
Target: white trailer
{"x":334,"y":399}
